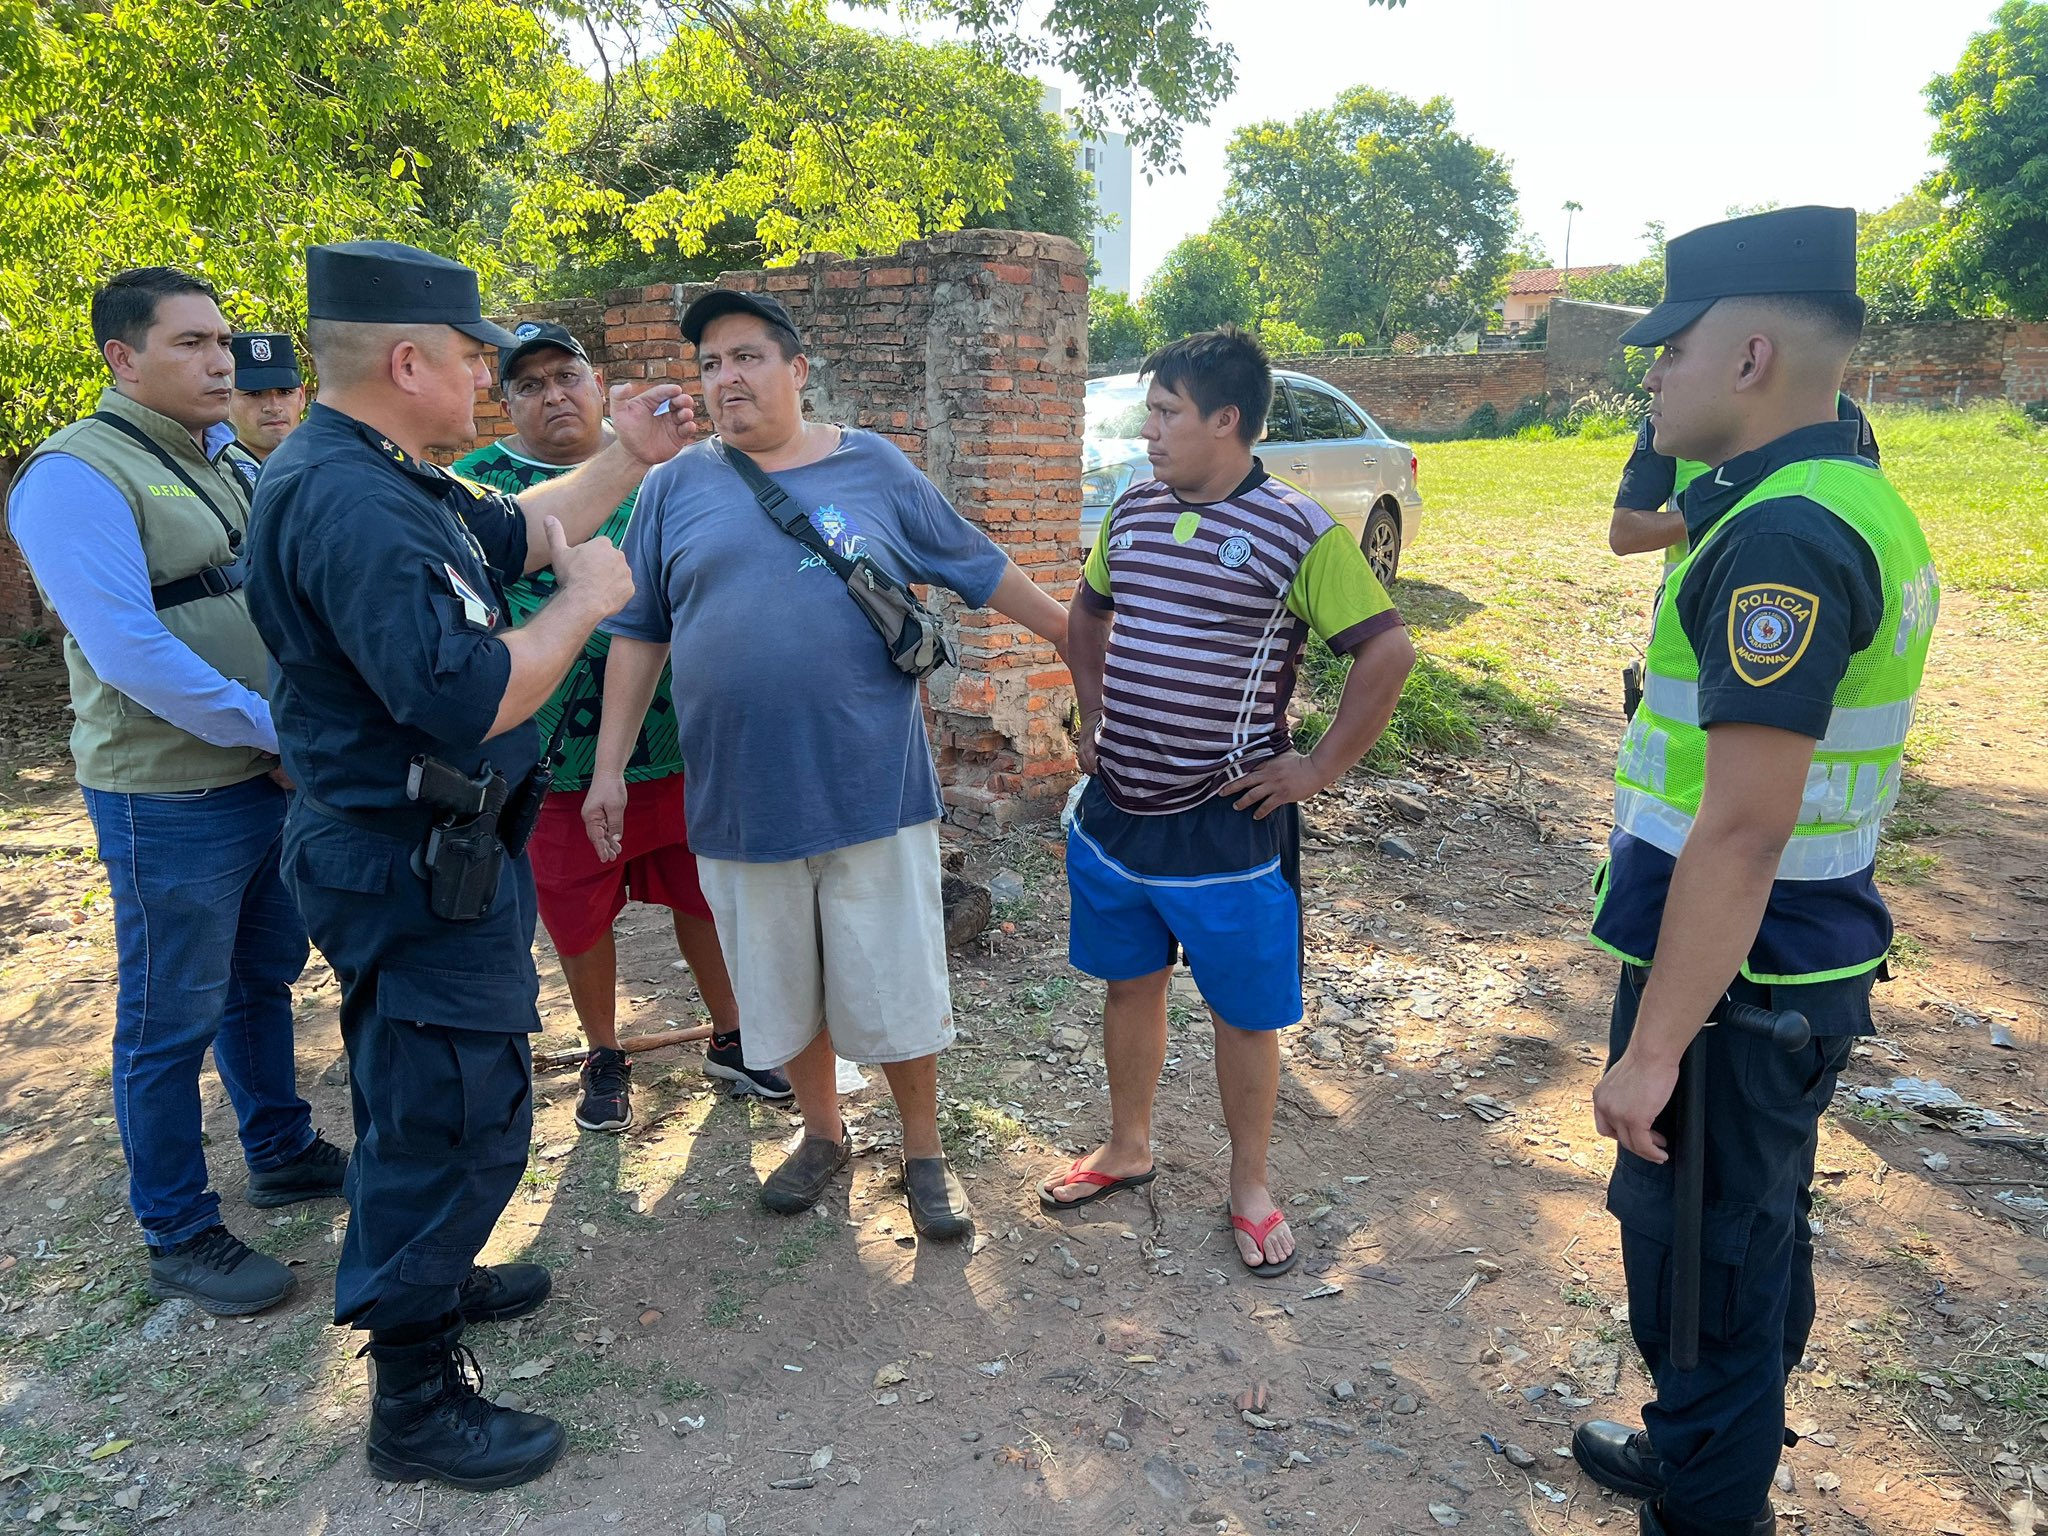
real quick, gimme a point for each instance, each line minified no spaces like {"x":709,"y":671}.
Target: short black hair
{"x":1838,"y":315}
{"x":1218,"y":368}
{"x":124,"y":307}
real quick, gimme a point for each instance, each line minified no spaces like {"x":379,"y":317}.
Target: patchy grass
{"x":803,"y":1244}
{"x":975,"y":1130}
{"x":1973,"y":476}
{"x":1899,"y":865}
{"x":1451,"y":697}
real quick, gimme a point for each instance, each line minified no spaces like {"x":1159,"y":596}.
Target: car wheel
{"x":1381,"y":542}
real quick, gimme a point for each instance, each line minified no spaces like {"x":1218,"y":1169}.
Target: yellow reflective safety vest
{"x":1854,"y":779}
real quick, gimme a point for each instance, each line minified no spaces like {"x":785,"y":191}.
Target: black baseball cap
{"x":264,"y":360}
{"x":1788,"y":250}
{"x":530,"y":337}
{"x":381,"y":282}
{"x":733,"y":301}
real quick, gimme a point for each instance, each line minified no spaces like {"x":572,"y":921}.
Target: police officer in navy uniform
{"x":403,"y":700}
{"x":1788,"y":646}
{"x":270,"y":393}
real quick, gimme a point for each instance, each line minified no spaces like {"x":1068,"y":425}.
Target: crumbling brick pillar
{"x":970,"y":353}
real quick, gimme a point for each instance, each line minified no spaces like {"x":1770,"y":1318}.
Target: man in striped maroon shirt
{"x":1184,"y":638}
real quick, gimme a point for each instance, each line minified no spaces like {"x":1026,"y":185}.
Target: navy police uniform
{"x":1715,"y":1433}
{"x":377,"y":583}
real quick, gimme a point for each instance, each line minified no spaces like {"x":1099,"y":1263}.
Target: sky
{"x":1636,"y":109}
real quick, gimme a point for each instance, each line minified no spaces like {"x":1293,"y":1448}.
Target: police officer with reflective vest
{"x":1647,"y":515}
{"x":270,"y":393}
{"x":1788,"y":647}
{"x":403,"y":703}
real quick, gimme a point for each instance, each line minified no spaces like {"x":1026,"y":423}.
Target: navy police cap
{"x":381,"y":282}
{"x":264,"y":360}
{"x":1788,"y":250}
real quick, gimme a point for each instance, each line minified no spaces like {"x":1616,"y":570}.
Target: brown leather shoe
{"x":804,"y":1176}
{"x":938,"y":1200}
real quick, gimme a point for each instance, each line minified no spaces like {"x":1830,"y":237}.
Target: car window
{"x":1280,"y":418}
{"x":1372,"y":428}
{"x":1115,"y":409}
{"x":1323,"y":416}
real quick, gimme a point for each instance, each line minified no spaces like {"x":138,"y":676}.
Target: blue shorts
{"x":1216,"y":883}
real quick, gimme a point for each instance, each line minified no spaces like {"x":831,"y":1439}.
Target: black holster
{"x":464,"y":855}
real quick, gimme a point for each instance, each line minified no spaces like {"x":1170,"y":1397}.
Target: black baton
{"x":1788,"y":1031}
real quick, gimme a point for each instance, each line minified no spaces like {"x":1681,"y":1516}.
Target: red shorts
{"x":580,"y":897}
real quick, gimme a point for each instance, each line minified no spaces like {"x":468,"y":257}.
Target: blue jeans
{"x":209,"y":944}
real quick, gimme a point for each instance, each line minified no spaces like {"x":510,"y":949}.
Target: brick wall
{"x":969,"y":352}
{"x":21,"y":609}
{"x":1431,"y":394}
{"x":2026,"y":364}
{"x":1944,"y":363}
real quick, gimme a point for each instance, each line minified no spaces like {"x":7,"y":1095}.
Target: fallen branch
{"x":554,"y":1061}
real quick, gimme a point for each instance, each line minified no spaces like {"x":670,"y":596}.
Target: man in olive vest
{"x":1788,"y":647}
{"x":132,"y":522}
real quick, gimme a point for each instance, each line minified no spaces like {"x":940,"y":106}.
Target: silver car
{"x":1316,"y":437}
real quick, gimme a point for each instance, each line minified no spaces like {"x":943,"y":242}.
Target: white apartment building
{"x":1107,"y":160}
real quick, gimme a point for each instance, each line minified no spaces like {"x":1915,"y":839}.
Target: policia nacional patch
{"x":1769,"y":628}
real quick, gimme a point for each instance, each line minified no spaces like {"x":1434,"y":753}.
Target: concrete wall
{"x":969,"y":352}
{"x":1580,"y":352}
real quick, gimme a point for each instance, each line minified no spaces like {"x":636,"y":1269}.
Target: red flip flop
{"x":1106,"y":1186}
{"x":1258,"y":1232}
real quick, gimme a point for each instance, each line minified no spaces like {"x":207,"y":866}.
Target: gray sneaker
{"x":221,"y":1273}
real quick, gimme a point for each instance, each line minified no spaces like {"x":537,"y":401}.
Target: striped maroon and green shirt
{"x":1213,"y":605}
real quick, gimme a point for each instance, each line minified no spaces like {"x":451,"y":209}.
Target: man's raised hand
{"x":650,"y":437}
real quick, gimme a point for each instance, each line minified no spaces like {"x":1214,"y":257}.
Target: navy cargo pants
{"x":1720,"y":1427}
{"x":435,"y":1017}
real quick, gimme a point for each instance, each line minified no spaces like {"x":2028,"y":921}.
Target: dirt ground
{"x":722,"y":1369}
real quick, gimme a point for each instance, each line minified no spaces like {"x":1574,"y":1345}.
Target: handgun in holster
{"x":464,"y":855}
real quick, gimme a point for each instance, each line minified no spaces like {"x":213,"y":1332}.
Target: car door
{"x":1339,"y":463}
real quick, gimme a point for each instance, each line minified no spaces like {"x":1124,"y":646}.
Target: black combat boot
{"x":429,"y":1419}
{"x":1654,"y":1520}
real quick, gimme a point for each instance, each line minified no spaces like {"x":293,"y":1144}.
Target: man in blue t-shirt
{"x":812,"y":800}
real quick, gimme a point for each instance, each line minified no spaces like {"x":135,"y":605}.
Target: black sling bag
{"x":910,"y":632}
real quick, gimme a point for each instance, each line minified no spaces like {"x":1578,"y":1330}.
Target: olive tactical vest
{"x":119,"y":746}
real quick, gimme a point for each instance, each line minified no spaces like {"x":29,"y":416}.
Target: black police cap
{"x":264,"y":360}
{"x":1788,"y":250}
{"x":732,"y":301}
{"x":529,"y":337}
{"x":381,"y":282}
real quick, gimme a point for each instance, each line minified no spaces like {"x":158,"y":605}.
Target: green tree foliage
{"x":1991,"y":118}
{"x":704,"y":161}
{"x":1203,"y":283}
{"x":1908,"y":268}
{"x":228,"y":138}
{"x":1374,"y":215}
{"x":1117,"y":330}
{"x":228,"y":135}
{"x":1639,"y":282}
{"x":1283,"y":338}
